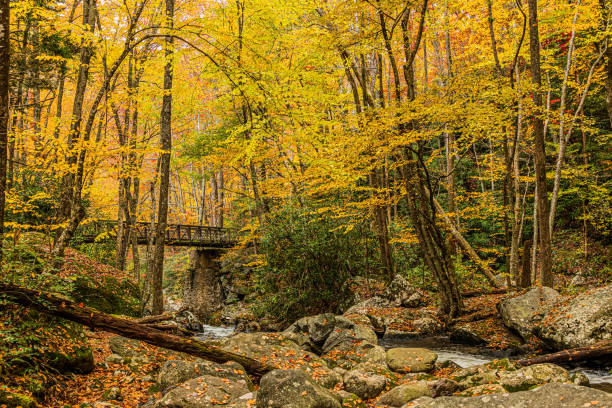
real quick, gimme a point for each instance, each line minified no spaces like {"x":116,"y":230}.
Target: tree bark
{"x":71,"y":208}
{"x":524,"y":280}
{"x":546,"y":276}
{"x":598,"y":350}
{"x":5,"y":55}
{"x":157,"y":304}
{"x":467,"y":248}
{"x":57,"y":306}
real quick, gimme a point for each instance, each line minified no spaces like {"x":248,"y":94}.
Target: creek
{"x":466,"y":356}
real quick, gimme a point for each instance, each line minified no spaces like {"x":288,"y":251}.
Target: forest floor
{"x":134,"y":386}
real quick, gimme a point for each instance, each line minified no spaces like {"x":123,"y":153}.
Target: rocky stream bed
{"x":366,"y":358}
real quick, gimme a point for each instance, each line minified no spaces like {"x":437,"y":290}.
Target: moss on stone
{"x":14,"y":400}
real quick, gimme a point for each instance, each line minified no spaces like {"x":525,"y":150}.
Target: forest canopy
{"x":443,"y":139}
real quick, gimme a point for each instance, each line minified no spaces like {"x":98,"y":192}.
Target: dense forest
{"x":383,"y":169}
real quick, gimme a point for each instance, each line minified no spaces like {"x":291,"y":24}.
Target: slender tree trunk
{"x":5,"y":57}
{"x":71,"y":207}
{"x":157,"y":305}
{"x":546,"y":276}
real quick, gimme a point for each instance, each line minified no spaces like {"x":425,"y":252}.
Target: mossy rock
{"x":112,"y":295}
{"x":14,"y":400}
{"x":80,"y":361}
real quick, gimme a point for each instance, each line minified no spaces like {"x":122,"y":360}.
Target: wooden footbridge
{"x":176,"y":234}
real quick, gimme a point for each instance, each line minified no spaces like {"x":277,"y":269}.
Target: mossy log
{"x":603,"y":349}
{"x":52,"y":304}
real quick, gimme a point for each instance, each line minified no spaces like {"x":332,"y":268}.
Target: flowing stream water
{"x":466,"y":356}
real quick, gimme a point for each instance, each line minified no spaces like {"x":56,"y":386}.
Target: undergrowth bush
{"x":308,"y":259}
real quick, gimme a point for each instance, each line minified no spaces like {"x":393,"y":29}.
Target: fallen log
{"x":161,"y":317}
{"x":52,"y":304}
{"x":171,"y":328}
{"x":476,"y":316}
{"x":476,"y":293}
{"x":596,"y":351}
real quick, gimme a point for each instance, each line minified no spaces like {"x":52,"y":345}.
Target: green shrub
{"x":308,"y":259}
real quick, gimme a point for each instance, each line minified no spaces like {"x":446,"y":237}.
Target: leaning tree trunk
{"x":54,"y":305}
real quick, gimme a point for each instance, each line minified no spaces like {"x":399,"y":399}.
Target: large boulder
{"x":317,"y":328}
{"x":345,"y":331}
{"x":523,"y":313}
{"x":531,"y":376}
{"x":174,"y":372}
{"x":293,"y":389}
{"x":403,"y":394}
{"x":411,"y":360}
{"x":348,"y":355}
{"x":488,"y":373}
{"x":326,"y":331}
{"x":126,"y":347}
{"x":585,"y":320}
{"x":364,"y":384}
{"x":553,"y":395}
{"x":401,"y":293}
{"x":203,"y":392}
{"x":280,"y":352}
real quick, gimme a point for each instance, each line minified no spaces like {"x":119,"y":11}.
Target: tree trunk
{"x":596,"y":351}
{"x":546,"y":276}
{"x":467,"y":248}
{"x":61,"y":307}
{"x":157,"y":304}
{"x":5,"y":55}
{"x":524,"y":279}
{"x":71,"y":208}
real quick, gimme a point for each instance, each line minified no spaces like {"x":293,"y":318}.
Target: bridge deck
{"x":176,"y":234}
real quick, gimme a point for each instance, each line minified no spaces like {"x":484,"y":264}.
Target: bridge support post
{"x":203,"y":293}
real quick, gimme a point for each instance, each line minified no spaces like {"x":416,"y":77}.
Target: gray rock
{"x":523,"y":313}
{"x":528,"y":377}
{"x":392,"y":334}
{"x":125,"y":347}
{"x":553,"y":395}
{"x":347,"y":331}
{"x":343,"y":396}
{"x":114,"y":359}
{"x":410,"y":360}
{"x":580,"y":378}
{"x":293,"y":389}
{"x":586,"y":320}
{"x":399,"y":292}
{"x":321,"y":326}
{"x":483,"y":389}
{"x":443,"y":387}
{"x":175,"y":372}
{"x":364,"y":384}
{"x":375,"y":302}
{"x":414,"y":300}
{"x":464,"y":335}
{"x":349,"y":354}
{"x":403,"y":394}
{"x":427,"y":325}
{"x":488,"y":373}
{"x":203,"y":392}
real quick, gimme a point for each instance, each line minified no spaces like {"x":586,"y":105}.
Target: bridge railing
{"x":176,"y":234}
